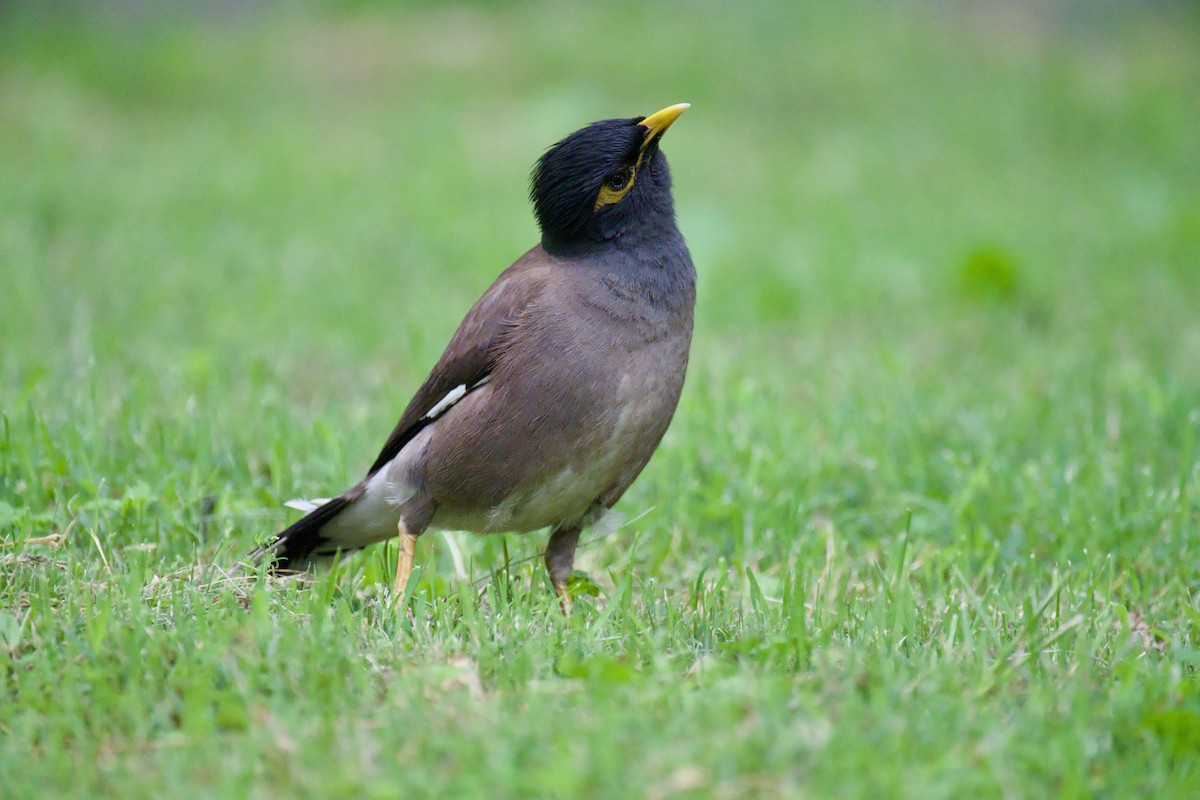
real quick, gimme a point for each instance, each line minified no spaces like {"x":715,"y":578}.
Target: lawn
{"x":926,"y":524}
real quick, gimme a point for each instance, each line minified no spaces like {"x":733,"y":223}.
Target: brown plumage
{"x":560,"y":382}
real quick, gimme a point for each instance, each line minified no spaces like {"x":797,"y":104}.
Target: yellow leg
{"x":564,"y":597}
{"x":404,"y":565}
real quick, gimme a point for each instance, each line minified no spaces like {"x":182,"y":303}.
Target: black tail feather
{"x":294,"y":545}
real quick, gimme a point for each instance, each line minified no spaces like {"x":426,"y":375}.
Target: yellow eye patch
{"x":618,"y":184}
{"x":615,"y":187}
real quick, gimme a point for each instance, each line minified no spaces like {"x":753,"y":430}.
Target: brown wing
{"x":469,"y":357}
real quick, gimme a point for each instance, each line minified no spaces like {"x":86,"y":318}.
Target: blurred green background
{"x":237,"y":218}
{"x":228,"y":180}
{"x":949,"y":264}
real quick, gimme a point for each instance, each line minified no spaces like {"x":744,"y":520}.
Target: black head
{"x":605,"y":181}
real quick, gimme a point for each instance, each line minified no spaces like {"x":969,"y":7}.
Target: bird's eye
{"x":618,"y":179}
{"x":616,"y":186}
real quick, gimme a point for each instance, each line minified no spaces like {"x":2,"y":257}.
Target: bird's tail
{"x":295,"y":545}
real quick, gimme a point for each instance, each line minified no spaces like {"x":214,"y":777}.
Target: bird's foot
{"x":575,"y":584}
{"x":564,"y":598}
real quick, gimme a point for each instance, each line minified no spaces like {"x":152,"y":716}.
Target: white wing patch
{"x":307,"y":505}
{"x":452,"y":397}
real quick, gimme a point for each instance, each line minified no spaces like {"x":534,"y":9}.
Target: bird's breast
{"x":614,"y":441}
{"x":590,"y":444}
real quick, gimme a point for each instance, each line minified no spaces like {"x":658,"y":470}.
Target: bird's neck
{"x":648,"y":236}
{"x":654,"y":269}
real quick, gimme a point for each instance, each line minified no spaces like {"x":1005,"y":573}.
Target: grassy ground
{"x":927,"y":523}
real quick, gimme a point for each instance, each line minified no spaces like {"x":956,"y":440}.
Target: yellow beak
{"x":658,"y":122}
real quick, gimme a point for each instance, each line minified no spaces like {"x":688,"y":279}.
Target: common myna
{"x":557,"y":387}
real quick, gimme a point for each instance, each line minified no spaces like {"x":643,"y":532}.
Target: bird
{"x":558,"y":385}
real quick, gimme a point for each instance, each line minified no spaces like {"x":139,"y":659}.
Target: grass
{"x":927,"y":523}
